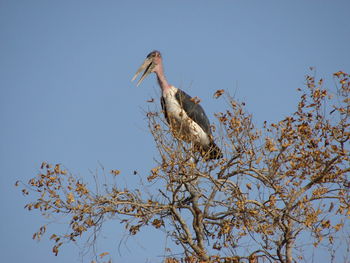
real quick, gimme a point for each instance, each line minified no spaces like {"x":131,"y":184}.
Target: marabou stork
{"x":186,"y":118}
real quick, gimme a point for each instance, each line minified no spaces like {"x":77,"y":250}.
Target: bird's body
{"x":186,"y":118}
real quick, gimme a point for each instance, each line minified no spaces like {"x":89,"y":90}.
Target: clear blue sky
{"x":66,"y":95}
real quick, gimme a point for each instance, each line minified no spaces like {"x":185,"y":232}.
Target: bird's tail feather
{"x":212,"y":152}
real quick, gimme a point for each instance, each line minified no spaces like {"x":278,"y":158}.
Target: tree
{"x":276,"y":184}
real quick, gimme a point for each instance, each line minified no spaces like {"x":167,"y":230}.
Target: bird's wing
{"x":193,"y":110}
{"x":162,"y":102}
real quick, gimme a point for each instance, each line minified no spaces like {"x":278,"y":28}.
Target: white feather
{"x":181,"y":123}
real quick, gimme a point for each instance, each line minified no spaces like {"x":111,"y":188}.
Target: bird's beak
{"x":148,"y":66}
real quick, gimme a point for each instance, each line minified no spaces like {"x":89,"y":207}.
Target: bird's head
{"x":152,"y":63}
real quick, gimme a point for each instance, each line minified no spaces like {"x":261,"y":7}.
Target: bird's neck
{"x":163,"y":83}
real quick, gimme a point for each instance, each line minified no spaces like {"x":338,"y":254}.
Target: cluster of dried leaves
{"x":273,"y":186}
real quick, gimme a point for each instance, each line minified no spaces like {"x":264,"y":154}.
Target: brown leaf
{"x":218,"y":93}
{"x":57,"y":169}
{"x":70,"y":198}
{"x":338,"y":226}
{"x":157,"y":223}
{"x":103,"y":254}
{"x":55,"y":250}
{"x":115,"y":172}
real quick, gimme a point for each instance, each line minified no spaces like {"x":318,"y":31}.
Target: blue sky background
{"x":66,"y":95}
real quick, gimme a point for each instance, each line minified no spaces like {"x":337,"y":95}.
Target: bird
{"x":184,"y":115}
